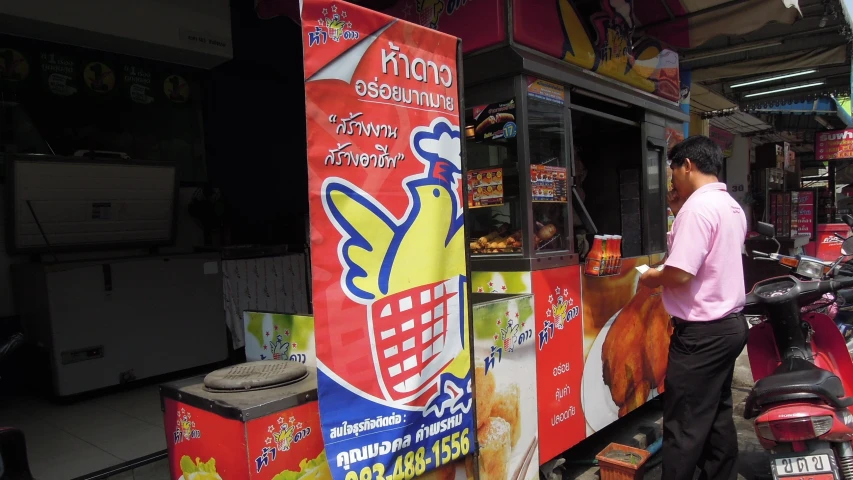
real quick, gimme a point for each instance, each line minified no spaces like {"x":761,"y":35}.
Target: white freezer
{"x":106,"y":322}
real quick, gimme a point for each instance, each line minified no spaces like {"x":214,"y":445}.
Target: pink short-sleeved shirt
{"x":706,"y":241}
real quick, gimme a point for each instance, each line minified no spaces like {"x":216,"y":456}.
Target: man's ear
{"x":688,"y":165}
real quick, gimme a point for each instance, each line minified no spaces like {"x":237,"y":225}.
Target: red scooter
{"x":801,"y":400}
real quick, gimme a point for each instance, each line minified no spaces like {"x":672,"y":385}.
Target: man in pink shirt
{"x":703,"y":291}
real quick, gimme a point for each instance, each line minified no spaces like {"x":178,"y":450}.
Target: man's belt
{"x":679,"y":321}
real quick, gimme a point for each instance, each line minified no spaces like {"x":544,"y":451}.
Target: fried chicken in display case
{"x":499,"y":241}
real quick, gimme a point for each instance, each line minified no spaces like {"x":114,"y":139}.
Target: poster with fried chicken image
{"x":279,"y":336}
{"x":626,"y":344}
{"x":504,"y":366}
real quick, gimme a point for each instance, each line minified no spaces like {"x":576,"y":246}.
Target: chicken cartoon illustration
{"x":186,"y":427}
{"x":335,"y":25}
{"x":605,"y":45}
{"x":430,"y":12}
{"x":409,"y":272}
{"x":280,"y":349}
{"x":560,"y":311}
{"x":283,"y":438}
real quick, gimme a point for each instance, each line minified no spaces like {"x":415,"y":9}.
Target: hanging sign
{"x":388,"y":243}
{"x":14,"y":66}
{"x":834,"y":145}
{"x":138,"y":82}
{"x":176,"y":88}
{"x":99,"y":77}
{"x":59,"y":73}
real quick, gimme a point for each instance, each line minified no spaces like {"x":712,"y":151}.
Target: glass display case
{"x":545,"y":173}
{"x":518,"y":186}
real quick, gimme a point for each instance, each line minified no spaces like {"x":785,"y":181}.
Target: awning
{"x":843,"y":110}
{"x":690,"y":23}
{"x":704,"y":101}
{"x":820,"y":107}
{"x":811,"y":58}
{"x":679,"y":23}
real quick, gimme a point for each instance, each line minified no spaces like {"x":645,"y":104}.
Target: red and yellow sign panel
{"x":388,"y":243}
{"x":288,"y":445}
{"x":559,"y":359}
{"x":202,"y":444}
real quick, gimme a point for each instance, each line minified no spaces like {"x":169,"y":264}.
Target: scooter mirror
{"x":847,"y":247}
{"x":848,"y":219}
{"x":766,"y":229}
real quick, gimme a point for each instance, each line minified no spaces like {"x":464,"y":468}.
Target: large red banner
{"x":388,"y":243}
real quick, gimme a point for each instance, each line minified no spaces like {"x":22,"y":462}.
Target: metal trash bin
{"x":257,"y":420}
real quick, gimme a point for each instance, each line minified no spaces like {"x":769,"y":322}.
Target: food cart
{"x":473,"y":255}
{"x":600,"y":340}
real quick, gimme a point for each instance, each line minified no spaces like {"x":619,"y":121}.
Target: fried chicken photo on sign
{"x":484,"y":394}
{"x":495,"y":437}
{"x":444,"y":472}
{"x":635,"y":351}
{"x":658,"y":330}
{"x":507,"y":405}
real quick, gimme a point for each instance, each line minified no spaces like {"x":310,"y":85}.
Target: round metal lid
{"x":255,"y":376}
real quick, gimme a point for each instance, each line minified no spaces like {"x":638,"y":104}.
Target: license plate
{"x":807,"y":467}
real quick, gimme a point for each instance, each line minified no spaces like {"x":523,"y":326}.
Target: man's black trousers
{"x":698,"y":428}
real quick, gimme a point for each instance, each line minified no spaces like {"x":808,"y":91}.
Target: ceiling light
{"x":777,"y":77}
{"x":816,"y":84}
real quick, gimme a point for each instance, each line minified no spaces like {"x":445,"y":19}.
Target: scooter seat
{"x":797,"y":379}
{"x":798,"y":374}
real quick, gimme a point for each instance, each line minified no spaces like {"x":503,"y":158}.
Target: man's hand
{"x":675,"y":202}
{"x":651,"y":278}
{"x":669,"y":277}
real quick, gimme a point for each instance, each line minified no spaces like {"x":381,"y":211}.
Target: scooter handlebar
{"x":834,"y":285}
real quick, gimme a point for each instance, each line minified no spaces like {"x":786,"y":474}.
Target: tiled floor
{"x":154,"y":471}
{"x":91,"y":435}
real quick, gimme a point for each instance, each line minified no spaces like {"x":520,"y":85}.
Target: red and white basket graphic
{"x":425,"y":16}
{"x":416,"y":335}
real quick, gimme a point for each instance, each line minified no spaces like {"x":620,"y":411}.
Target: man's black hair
{"x":702,"y":151}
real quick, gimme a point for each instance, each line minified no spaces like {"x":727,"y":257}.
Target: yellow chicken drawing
{"x":560,"y":310}
{"x":430,"y":12}
{"x":335,"y":25}
{"x":409,"y":272}
{"x":186,"y":427}
{"x":284,"y":438}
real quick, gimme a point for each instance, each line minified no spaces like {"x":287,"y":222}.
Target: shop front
{"x":560,"y":182}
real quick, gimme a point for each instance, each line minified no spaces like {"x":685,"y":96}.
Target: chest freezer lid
{"x":245,"y":404}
